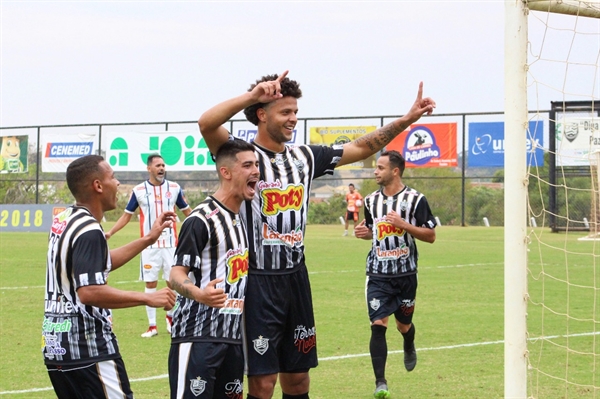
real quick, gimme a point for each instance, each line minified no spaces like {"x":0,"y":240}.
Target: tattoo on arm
{"x":381,"y":137}
{"x":182,"y":288}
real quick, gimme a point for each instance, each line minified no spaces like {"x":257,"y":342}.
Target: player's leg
{"x":354,"y":220}
{"x":299,"y":343}
{"x":265,"y":308}
{"x":168,"y":255}
{"x":150,"y":260}
{"x":404,"y":316}
{"x":380,"y":305}
{"x":230,"y":375}
{"x":192,"y":369}
{"x":346,"y":219}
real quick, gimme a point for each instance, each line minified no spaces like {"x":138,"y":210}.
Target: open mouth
{"x":252,"y":186}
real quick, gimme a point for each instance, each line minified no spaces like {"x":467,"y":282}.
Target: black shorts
{"x":280,"y":324}
{"x":352,"y":216}
{"x":206,"y":370}
{"x":106,"y":379}
{"x":395,"y":295}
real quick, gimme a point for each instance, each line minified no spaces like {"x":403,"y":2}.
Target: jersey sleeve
{"x":192,"y":240}
{"x":132,"y":205}
{"x":423,"y":215}
{"x":181,"y":202}
{"x":326,"y":158}
{"x":89,"y":258}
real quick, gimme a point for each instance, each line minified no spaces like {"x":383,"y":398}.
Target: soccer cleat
{"x":381,"y":391}
{"x":410,"y":356}
{"x":345,"y":233}
{"x":152,"y":331}
{"x":169,"y":323}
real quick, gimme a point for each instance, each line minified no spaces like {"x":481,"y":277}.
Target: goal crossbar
{"x":570,"y":7}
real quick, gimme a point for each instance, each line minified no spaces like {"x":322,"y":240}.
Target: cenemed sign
{"x":68,"y":150}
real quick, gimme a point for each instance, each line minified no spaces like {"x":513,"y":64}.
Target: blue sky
{"x":132,"y":61}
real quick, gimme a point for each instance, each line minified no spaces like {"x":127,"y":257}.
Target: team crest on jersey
{"x":374,"y":303}
{"x":237,"y":265}
{"x":168,"y":194}
{"x":404,"y":205}
{"x":278,"y":199}
{"x":386,"y":229}
{"x":197,"y":386}
{"x":261,"y":345}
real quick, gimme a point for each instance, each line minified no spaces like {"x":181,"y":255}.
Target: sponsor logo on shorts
{"x":148,"y":267}
{"x":261,"y":345}
{"x":305,"y":339}
{"x":234,"y":389}
{"x":374,"y":303}
{"x":407,"y":307}
{"x":197,"y":386}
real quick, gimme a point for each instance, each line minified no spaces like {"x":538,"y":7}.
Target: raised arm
{"x":369,"y":144}
{"x":211,"y":122}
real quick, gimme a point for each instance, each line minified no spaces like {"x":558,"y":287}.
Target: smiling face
{"x":10,"y":148}
{"x":279,"y":119}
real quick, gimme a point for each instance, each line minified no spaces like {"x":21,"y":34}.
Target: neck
{"x":155,"y":182}
{"x":393,"y":188}
{"x":231,"y":199}
{"x":264,"y":140}
{"x":95,"y":210}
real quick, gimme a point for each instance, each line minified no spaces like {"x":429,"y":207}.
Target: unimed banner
{"x":60,"y":149}
{"x":486,"y":144}
{"x":338,"y":135}
{"x":13,"y":154}
{"x":431,"y":145}
{"x":181,"y":150}
{"x":577,"y":141}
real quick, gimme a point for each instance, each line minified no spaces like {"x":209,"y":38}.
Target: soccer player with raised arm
{"x":280,"y":326}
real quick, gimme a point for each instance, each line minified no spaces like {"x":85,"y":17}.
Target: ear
{"x":225,"y":172}
{"x":97,"y":186}
{"x":261,"y":113}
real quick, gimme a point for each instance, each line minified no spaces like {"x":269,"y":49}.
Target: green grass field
{"x":459,"y":319}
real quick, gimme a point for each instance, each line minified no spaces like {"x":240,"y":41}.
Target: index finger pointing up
{"x":282,"y":76}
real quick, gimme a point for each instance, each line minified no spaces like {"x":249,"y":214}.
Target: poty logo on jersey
{"x":386,"y":229}
{"x":68,"y":150}
{"x":237,"y":265}
{"x":59,"y":223}
{"x":250,"y":135}
{"x":277,"y":199}
{"x":420,"y":146}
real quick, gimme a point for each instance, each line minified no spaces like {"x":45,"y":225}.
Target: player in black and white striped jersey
{"x":395,"y":217}
{"x":280,"y":327}
{"x":79,"y":347}
{"x":211,"y":267}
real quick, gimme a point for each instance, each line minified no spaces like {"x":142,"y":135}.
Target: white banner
{"x":577,"y":141}
{"x":181,"y":150}
{"x":60,"y":149}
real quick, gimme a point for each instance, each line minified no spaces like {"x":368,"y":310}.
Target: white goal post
{"x":516,"y":180}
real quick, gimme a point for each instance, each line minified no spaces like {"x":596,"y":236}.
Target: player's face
{"x":157,"y":171}
{"x":351,"y":189}
{"x":110,"y":187}
{"x":245,"y":174}
{"x":281,"y":119}
{"x":384,"y":174}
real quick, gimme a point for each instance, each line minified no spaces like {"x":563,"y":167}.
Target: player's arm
{"x":209,"y":295}
{"x":367,"y":145}
{"x":182,"y":204}
{"x":122,"y":222}
{"x":211,"y":122}
{"x":124,"y":254}
{"x":105,"y":296}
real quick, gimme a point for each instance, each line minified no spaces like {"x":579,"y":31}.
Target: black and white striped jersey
{"x":394,"y":251}
{"x":213,"y":244}
{"x":78,"y":255}
{"x":276,"y":217}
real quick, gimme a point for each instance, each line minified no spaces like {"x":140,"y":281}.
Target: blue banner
{"x":486,"y":144}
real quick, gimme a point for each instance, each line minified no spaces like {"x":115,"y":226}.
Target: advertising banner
{"x":341,"y":135}
{"x":577,"y":141}
{"x":431,"y":145}
{"x":486,"y":144}
{"x":181,"y":150}
{"x":13,"y":154}
{"x":58,"y":150}
{"x":34,"y":217}
{"x":250,"y":134}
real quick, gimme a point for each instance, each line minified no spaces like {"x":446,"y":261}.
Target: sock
{"x":409,"y":336}
{"x":150,"y":311}
{"x":287,"y":396}
{"x":378,"y":349}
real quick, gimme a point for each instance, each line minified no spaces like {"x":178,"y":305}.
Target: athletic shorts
{"x":206,"y":370}
{"x":352,"y":216}
{"x":107,"y":379}
{"x":280,"y":324}
{"x":152,"y":260}
{"x":396,"y":295}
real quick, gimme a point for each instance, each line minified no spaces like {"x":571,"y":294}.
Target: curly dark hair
{"x":289,"y":88}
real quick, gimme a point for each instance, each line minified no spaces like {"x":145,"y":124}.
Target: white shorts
{"x":152,"y":260}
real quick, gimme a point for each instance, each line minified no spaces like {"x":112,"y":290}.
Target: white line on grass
{"x":329,"y":358}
